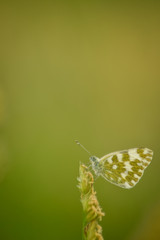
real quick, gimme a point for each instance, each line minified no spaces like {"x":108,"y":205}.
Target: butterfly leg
{"x":89,"y":167}
{"x":96,"y":176}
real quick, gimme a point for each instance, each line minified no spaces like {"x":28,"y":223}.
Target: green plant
{"x":91,"y":209}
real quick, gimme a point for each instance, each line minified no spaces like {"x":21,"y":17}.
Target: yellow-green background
{"x":77,"y":70}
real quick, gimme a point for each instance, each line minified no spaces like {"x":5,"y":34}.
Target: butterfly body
{"x":123,"y":168}
{"x":97,"y":166}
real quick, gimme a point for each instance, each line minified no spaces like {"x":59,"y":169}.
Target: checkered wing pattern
{"x":125,"y":168}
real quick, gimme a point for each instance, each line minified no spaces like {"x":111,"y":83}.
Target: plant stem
{"x":91,"y":208}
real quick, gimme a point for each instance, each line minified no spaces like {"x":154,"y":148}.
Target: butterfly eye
{"x":93,"y":159}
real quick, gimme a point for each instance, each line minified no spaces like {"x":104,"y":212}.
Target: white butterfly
{"x":123,"y":168}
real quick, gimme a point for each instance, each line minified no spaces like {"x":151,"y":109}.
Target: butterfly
{"x":122,"y":168}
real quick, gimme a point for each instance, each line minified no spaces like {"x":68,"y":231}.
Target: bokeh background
{"x":86,"y":70}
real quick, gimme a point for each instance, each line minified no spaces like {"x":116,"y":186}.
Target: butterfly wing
{"x":125,"y":168}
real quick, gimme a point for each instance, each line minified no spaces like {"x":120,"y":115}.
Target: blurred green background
{"x":77,"y":70}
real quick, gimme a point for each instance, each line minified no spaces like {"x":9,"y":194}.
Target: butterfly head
{"x":95,"y":165}
{"x":94,"y":159}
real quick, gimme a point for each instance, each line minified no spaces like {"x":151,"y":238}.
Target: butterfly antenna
{"x":82,"y":147}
